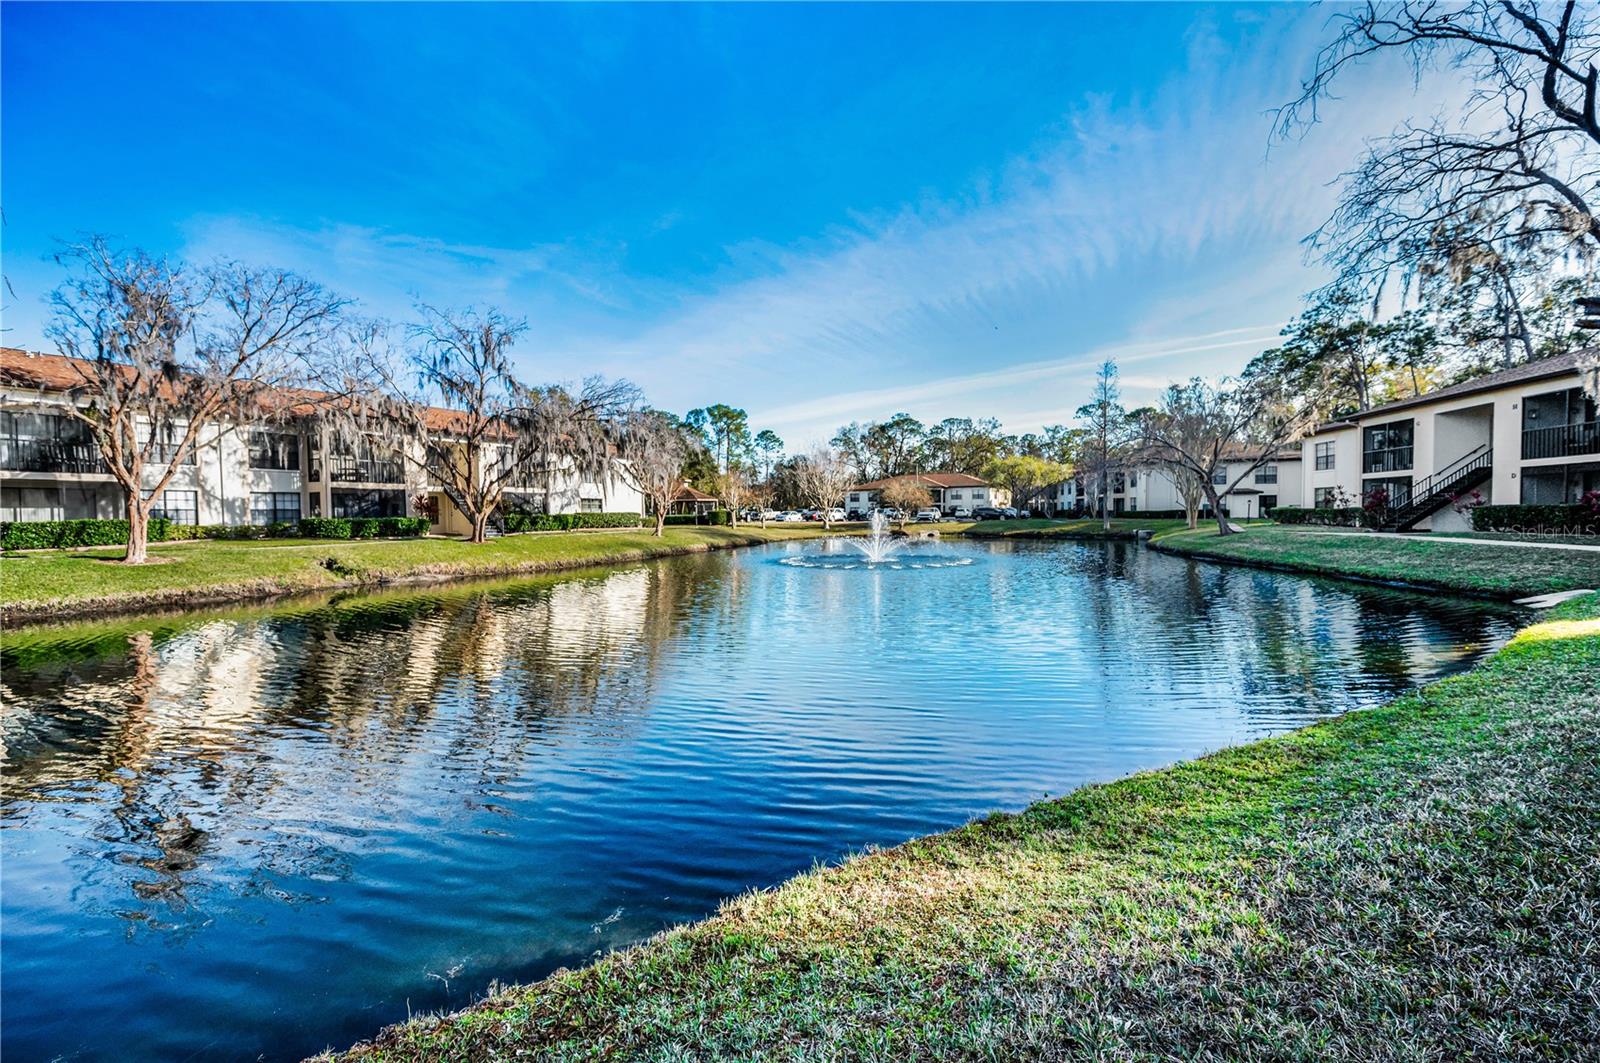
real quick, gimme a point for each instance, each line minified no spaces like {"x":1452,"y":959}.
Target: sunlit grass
{"x":1485,"y":567}
{"x":1412,"y":881}
{"x":60,"y":582}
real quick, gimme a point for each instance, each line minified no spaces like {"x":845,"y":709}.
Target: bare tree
{"x":1523,"y":150}
{"x":733,"y":486}
{"x":654,"y":449}
{"x":1200,"y":427}
{"x":1105,"y":440}
{"x":163,"y":352}
{"x":906,"y":495}
{"x":824,"y":478}
{"x":471,"y":426}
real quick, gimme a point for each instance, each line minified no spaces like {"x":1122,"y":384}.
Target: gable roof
{"x":685,"y":493}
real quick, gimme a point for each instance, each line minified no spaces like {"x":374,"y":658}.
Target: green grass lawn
{"x":1416,"y":881}
{"x":36,"y":584}
{"x":1041,"y":528}
{"x":1508,"y":571}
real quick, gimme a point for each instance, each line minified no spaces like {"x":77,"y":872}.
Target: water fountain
{"x":877,"y":547}
{"x":876,"y":550}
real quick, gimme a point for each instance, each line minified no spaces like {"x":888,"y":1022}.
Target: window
{"x":274,"y":507}
{"x":1324,"y":497}
{"x":955,"y":496}
{"x":1267,"y":474}
{"x":169,"y":436}
{"x":1219,"y":476}
{"x":528,"y":502}
{"x":1133,"y":505}
{"x":1396,"y":490}
{"x":1554,"y":485}
{"x":1387,"y":447}
{"x":274,"y":450}
{"x":180,"y":507}
{"x":1559,"y":423}
{"x":1324,"y":456}
{"x":1133,"y":479}
{"x":1268,"y":504}
{"x":590,"y":505}
{"x":46,"y":442}
{"x":371,"y":503}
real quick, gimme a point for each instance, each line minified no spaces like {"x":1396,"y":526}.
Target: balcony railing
{"x":1562,"y":440}
{"x":347,"y":468}
{"x":49,"y":455}
{"x":1388,"y":459}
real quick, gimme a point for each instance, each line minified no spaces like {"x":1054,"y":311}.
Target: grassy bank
{"x":1416,"y":881}
{"x":1487,"y":567}
{"x":53,"y":584}
{"x":1087,"y":528}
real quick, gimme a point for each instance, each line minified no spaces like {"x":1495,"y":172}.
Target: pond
{"x":265,"y":832}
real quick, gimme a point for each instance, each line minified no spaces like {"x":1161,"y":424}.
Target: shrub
{"x":324,"y":527}
{"x":1342,"y":517}
{"x":719,"y":516}
{"x":682,"y":518}
{"x":526,"y":522}
{"x":403,"y":527}
{"x":1579,"y":519}
{"x":57,"y":534}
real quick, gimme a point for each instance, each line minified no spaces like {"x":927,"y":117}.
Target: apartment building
{"x":1525,"y":435}
{"x":1147,"y":489}
{"x":950,"y":491}
{"x":50,"y":468}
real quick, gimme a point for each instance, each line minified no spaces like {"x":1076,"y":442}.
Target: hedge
{"x":1554,"y":520}
{"x":531,"y":522}
{"x":47,"y":534}
{"x":363,"y":527}
{"x":1346,"y":517}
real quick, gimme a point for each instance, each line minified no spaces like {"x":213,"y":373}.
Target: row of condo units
{"x":1523,"y":436}
{"x":50,"y":468}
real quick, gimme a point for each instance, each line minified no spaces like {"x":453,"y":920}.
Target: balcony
{"x":348,"y":469}
{"x":50,"y":455}
{"x":1561,"y":440}
{"x":1386,"y":459}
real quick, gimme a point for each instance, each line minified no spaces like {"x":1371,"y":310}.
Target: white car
{"x":961,"y":513}
{"x":835,"y":514}
{"x":790,"y":515}
{"x":926,"y":516}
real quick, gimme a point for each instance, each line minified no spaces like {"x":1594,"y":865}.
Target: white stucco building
{"x":1525,"y":435}
{"x":50,"y":468}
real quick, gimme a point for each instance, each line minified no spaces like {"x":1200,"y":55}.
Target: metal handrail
{"x":1440,"y":481}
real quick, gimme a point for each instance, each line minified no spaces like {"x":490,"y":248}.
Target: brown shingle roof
{"x":689,"y":494}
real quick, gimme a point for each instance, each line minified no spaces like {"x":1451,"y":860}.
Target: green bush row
{"x":1569,"y":519}
{"x":47,"y":534}
{"x":1346,"y":517}
{"x":526,"y":522}
{"x":362,"y":527}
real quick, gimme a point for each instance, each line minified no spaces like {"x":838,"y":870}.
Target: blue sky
{"x":819,"y":213}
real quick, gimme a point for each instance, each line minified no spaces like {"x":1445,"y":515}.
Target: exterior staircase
{"x":1442,"y":488}
{"x":497,"y":521}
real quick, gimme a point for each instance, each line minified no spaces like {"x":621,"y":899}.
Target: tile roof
{"x":55,"y":372}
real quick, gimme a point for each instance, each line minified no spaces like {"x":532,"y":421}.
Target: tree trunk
{"x":661,"y":520}
{"x":480,"y":525}
{"x":1216,"y":510}
{"x":138,"y":529}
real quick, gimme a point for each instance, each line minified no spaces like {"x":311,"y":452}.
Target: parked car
{"x":988,"y":513}
{"x":961,"y":513}
{"x":770,"y":514}
{"x":835,"y":514}
{"x":927,"y":516}
{"x":811,"y":514}
{"x":890,"y":513}
{"x":1007,"y":513}
{"x":789,"y":515}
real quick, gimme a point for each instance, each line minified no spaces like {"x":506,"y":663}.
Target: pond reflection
{"x":264,"y":831}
